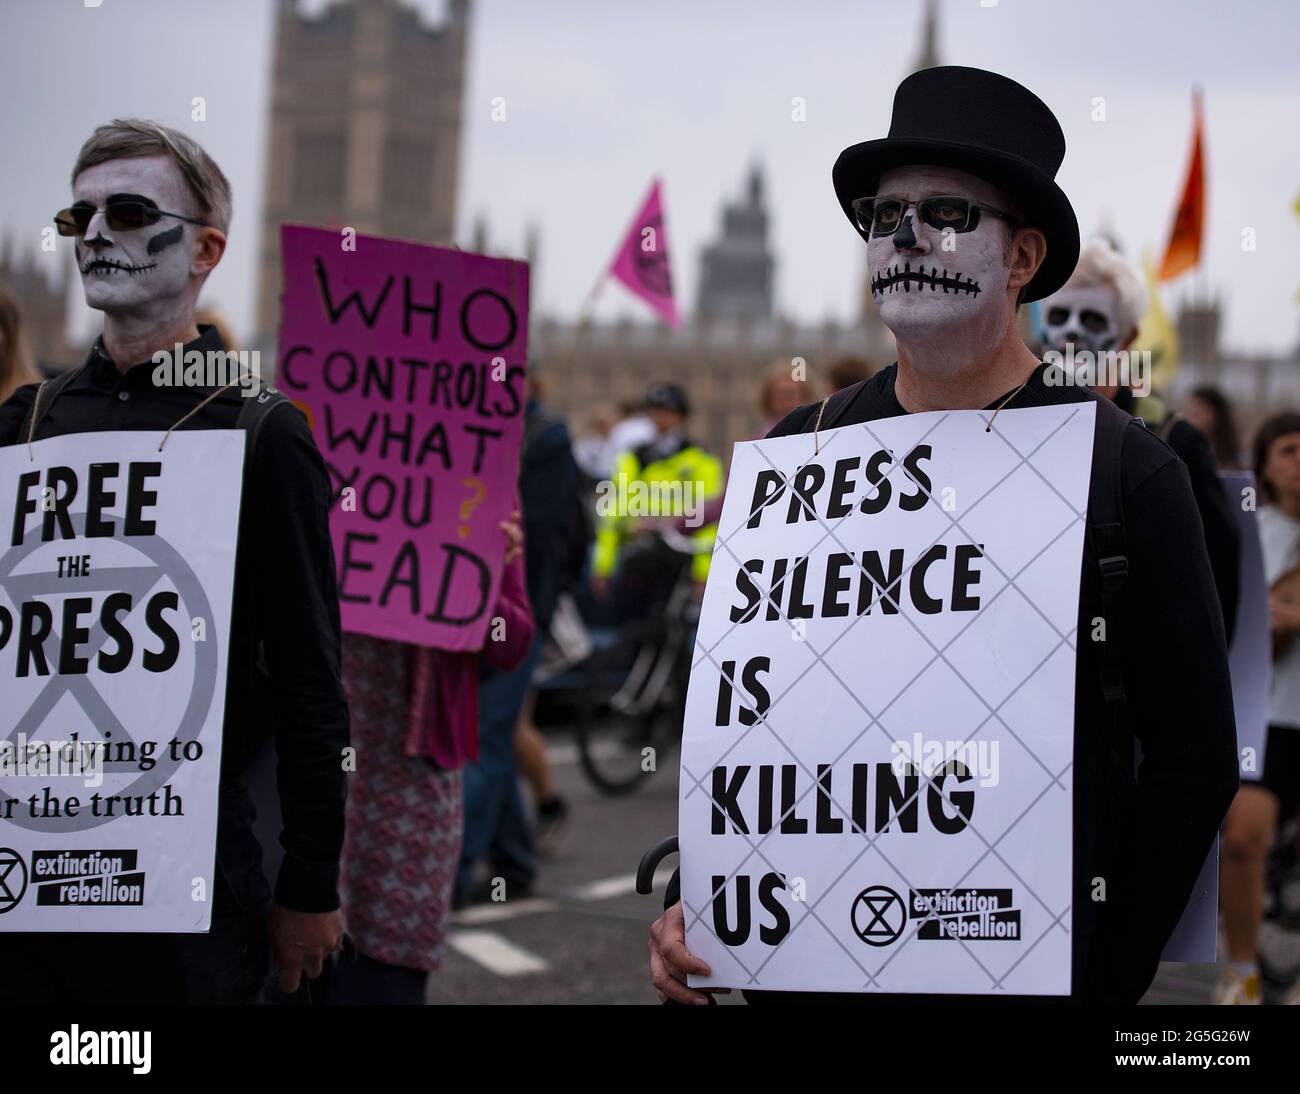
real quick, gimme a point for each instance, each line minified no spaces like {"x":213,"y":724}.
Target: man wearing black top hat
{"x":963,"y":223}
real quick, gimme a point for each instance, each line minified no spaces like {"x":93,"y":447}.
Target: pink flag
{"x":641,"y":261}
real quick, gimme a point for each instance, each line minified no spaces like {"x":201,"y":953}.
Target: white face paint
{"x":133,"y":270}
{"x":927,"y":282}
{"x":1084,"y":316}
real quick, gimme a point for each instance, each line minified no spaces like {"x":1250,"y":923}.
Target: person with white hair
{"x":1101,"y":305}
{"x":1092,"y":322}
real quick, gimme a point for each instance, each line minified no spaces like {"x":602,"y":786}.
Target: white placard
{"x":116,"y":577}
{"x":1251,"y":652}
{"x":897,"y":815}
{"x":1195,"y":938}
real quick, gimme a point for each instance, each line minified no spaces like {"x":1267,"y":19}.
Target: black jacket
{"x":1222,"y":539}
{"x":285,"y":598}
{"x":548,"y":480}
{"x":1146,"y":837}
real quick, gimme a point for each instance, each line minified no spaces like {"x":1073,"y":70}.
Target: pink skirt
{"x":404,"y":818}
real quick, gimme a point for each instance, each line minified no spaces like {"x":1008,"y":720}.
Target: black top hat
{"x":989,"y":126}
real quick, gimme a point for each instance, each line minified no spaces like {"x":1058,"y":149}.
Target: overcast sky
{"x":601,"y":95}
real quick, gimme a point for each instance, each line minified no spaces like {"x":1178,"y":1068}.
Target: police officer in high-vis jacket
{"x":669,"y":476}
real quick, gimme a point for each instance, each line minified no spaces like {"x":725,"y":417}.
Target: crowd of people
{"x":436,"y":818}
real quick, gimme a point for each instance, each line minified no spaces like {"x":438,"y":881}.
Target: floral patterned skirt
{"x":404,"y":818}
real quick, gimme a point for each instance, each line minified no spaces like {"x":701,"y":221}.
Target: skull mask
{"x":928,"y":281}
{"x":136,"y":269}
{"x":1083,"y":316}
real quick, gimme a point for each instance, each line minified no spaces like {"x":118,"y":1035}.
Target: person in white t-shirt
{"x":1252,"y":821}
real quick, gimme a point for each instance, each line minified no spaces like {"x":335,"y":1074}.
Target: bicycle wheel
{"x":630,"y":700}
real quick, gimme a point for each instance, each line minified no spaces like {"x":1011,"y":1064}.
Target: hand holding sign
{"x":514,"y":537}
{"x":671,"y":962}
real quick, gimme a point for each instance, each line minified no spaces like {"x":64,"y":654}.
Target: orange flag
{"x":1184,"y":248}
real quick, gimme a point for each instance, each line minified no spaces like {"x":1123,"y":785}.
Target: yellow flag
{"x":1155,"y":333}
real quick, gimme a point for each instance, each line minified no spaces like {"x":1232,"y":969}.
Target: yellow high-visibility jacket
{"x":658,"y":489}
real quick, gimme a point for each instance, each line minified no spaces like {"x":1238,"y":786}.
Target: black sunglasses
{"x":122,"y":214}
{"x":879,"y":216}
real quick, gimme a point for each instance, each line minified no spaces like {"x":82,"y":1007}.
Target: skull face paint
{"x":130,"y":270}
{"x":927,"y":282}
{"x":1082,"y":316}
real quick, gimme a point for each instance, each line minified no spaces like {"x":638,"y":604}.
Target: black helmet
{"x":668,"y":397}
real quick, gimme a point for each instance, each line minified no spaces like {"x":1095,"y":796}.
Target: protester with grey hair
{"x":147,"y":223}
{"x":1097,"y":311}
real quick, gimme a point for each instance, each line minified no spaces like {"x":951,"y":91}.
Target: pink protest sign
{"x":409,"y":362}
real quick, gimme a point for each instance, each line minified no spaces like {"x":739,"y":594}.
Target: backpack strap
{"x":45,"y":395}
{"x":1105,"y":531}
{"x":252,"y":417}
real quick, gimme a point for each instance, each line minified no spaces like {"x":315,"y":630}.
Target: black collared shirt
{"x":285,"y":601}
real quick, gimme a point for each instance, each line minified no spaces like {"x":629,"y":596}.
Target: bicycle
{"x":633,"y":686}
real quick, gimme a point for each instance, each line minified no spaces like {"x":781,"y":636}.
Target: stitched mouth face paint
{"x":130,"y":268}
{"x":928,"y":282}
{"x":105,"y":266}
{"x":902,"y":278}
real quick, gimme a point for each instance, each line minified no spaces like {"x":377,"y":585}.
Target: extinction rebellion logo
{"x":64,"y":879}
{"x":947,"y":915}
{"x":13,"y":878}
